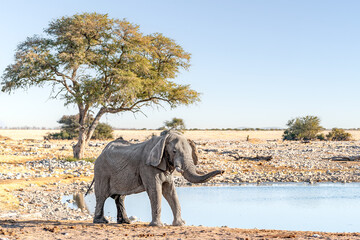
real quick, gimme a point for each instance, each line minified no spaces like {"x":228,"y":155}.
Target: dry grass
{"x":25,"y":134}
{"x":144,"y":134}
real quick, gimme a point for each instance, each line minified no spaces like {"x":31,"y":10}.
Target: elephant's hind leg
{"x":99,"y":211}
{"x":101,"y":195}
{"x":121,"y":212}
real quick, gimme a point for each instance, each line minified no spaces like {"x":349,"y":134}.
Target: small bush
{"x":70,"y":129}
{"x":62,"y":135}
{"x":321,"y":137}
{"x":338,"y":134}
{"x":305,"y":128}
{"x":103,"y":131}
{"x":175,"y":123}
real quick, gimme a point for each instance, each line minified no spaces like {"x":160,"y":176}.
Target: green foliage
{"x":70,"y":129}
{"x":321,"y":137}
{"x":338,"y":134}
{"x":103,"y":131}
{"x":101,"y":64}
{"x":62,"y":135}
{"x":175,"y":123}
{"x":70,"y":125}
{"x":304,"y":128}
{"x":72,"y":159}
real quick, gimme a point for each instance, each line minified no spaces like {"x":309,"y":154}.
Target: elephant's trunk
{"x":192,"y":176}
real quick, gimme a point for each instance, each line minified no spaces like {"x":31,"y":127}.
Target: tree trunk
{"x":85,"y":134}
{"x":79,"y":148}
{"x":94,"y":124}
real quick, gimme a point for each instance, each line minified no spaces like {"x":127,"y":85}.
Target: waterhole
{"x":331,"y":207}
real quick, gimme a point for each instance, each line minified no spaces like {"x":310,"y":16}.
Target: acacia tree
{"x":101,"y":65}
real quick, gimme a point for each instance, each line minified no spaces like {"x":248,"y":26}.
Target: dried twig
{"x":257,"y":158}
{"x":345,"y":159}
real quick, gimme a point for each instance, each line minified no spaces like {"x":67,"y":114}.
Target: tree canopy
{"x":102,"y":65}
{"x":175,"y":123}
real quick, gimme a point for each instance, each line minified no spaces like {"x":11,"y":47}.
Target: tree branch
{"x":131,"y":108}
{"x":94,"y":124}
{"x":64,"y":77}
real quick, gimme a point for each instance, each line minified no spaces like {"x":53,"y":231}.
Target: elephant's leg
{"x":171,"y":197}
{"x":101,"y":194}
{"x":121,"y":212}
{"x":154,"y":192}
{"x":99,"y":210}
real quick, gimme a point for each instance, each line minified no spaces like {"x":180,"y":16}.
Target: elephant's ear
{"x":156,"y":154}
{"x":193,"y":152}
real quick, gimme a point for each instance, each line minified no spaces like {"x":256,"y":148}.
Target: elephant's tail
{"x":90,"y":187}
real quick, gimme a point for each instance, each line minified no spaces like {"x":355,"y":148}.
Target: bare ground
{"x":38,"y":229}
{"x":14,"y":153}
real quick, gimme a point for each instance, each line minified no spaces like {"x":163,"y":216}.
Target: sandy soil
{"x":14,"y":153}
{"x":142,"y":134}
{"x":37,"y":229}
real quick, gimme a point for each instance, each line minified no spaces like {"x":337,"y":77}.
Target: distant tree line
{"x":301,"y":128}
{"x":27,"y":128}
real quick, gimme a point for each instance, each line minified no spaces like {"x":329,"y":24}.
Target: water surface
{"x":332,"y":207}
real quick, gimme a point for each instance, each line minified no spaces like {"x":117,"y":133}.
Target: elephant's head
{"x":174,"y":151}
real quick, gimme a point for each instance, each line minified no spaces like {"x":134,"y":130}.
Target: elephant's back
{"x":118,"y":156}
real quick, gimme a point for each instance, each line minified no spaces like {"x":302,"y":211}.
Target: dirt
{"x":49,"y":230}
{"x":14,"y":153}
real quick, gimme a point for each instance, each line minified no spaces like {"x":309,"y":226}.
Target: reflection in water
{"x":331,"y":207}
{"x":80,"y":201}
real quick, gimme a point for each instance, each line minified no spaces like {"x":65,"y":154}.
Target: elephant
{"x":124,"y":169}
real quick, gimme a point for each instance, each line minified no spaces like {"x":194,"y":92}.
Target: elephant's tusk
{"x":179,"y":170}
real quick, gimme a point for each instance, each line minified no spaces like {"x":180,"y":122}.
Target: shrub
{"x":103,"y":131}
{"x":175,"y":123}
{"x":62,"y":135}
{"x":70,"y":129}
{"x":304,"y":128}
{"x":321,"y":137}
{"x":338,"y":134}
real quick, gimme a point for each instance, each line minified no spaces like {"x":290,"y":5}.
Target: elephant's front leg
{"x":154,"y":192}
{"x":171,"y":197}
{"x":121,"y":212}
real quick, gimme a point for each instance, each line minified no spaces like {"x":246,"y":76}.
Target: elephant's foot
{"x":100,"y":220}
{"x":124,"y":220}
{"x":178,"y":222}
{"x":156,"y":224}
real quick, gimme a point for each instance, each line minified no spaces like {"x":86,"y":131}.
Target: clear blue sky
{"x":256,"y":63}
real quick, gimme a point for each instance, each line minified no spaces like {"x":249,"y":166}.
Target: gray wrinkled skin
{"x":123,"y":169}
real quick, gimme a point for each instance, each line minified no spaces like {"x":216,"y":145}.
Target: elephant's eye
{"x":174,"y":151}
